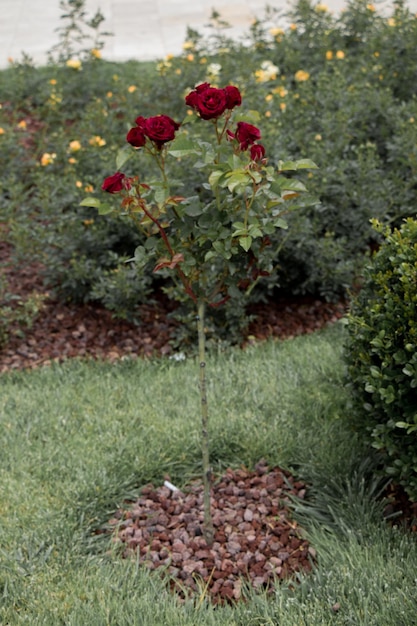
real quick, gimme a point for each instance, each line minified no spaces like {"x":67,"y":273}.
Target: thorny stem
{"x":208,"y":529}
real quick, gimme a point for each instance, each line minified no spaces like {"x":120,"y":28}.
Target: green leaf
{"x":102,"y":207}
{"x":182,"y":146}
{"x":95,"y":203}
{"x":306,"y":164}
{"x":285,"y":166}
{"x":214,"y":178}
{"x":123,"y":155}
{"x":292,"y":184}
{"x":245,"y":242}
{"x":281,"y":223}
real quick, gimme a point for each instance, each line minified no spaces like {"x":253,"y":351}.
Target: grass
{"x":78,"y":438}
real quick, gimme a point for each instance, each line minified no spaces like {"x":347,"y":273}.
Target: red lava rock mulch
{"x":255,"y":538}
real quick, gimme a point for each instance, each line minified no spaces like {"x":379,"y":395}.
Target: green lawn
{"x":77,"y":438}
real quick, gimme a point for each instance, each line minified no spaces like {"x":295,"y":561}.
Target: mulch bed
{"x":255,"y":540}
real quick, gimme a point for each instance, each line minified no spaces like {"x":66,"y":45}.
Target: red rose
{"x":257,"y":152}
{"x":115,"y":183}
{"x":247,"y":134}
{"x":160,"y":129}
{"x":136,"y":137}
{"x":209,"y":102}
{"x":234,"y":99}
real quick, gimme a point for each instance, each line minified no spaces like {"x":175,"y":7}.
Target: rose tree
{"x":215,"y":243}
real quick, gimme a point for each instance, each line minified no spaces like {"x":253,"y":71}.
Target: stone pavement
{"x":142,"y":29}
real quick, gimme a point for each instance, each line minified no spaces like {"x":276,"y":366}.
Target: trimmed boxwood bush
{"x":381,"y":353}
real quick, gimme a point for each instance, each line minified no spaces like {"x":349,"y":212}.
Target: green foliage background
{"x":354,"y":114}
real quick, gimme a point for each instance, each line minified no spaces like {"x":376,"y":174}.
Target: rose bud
{"x":136,"y":137}
{"x":114,"y":183}
{"x":247,"y":134}
{"x":233,"y":97}
{"x":257,"y":152}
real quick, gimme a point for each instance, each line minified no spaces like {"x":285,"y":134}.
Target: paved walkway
{"x":142,"y":29}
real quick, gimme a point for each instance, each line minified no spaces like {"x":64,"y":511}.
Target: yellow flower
{"x":178,"y":71}
{"x":188,"y":45}
{"x":293,"y":26}
{"x":340,"y":54}
{"x":203,"y":60}
{"x":88,"y":222}
{"x":267,"y":72}
{"x":269,"y":97}
{"x":115,"y":78}
{"x":53,"y":81}
{"x":74,"y":146}
{"x":276,"y":32}
{"x":89,"y":188}
{"x":109,"y":94}
{"x":376,"y":54}
{"x":411,"y":120}
{"x":169,"y":57}
{"x":97,"y":141}
{"x":2,"y":131}
{"x":78,"y":184}
{"x":281,"y":91}
{"x":301,"y":76}
{"x":329,"y":55}
{"x":318,"y":137}
{"x":391,"y":21}
{"x":321,"y":8}
{"x":282,"y":106}
{"x":190,"y":57}
{"x":47,"y":158}
{"x":96,"y":53}
{"x":72,"y":160}
{"x":189,"y":112}
{"x":132,"y":89}
{"x":370,"y":7}
{"x":74,"y":64}
{"x":267,"y":113}
{"x":22,"y":125}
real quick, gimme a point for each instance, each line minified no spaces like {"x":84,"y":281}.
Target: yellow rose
{"x":74,"y":146}
{"x":48,"y":158}
{"x":329,"y":55}
{"x":22,"y":125}
{"x":132,"y":89}
{"x":96,"y":53}
{"x":340,"y":54}
{"x":2,"y":131}
{"x":97,"y":141}
{"x":74,"y":64}
{"x":301,"y":76}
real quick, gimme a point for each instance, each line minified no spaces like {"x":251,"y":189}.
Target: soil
{"x":255,"y":539}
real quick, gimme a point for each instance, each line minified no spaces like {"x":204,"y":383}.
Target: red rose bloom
{"x":257,"y":152}
{"x":160,"y":129}
{"x":247,"y":134}
{"x":114,"y":183}
{"x":209,"y":102}
{"x":136,"y":137}
{"x":234,"y":99}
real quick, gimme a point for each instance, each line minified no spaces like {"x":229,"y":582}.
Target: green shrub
{"x":382,"y":354}
{"x":352,"y":112}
